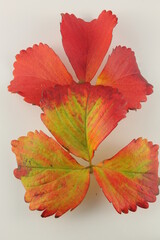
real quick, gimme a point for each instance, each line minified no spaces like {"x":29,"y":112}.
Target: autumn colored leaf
{"x":130,"y":178}
{"x":80,"y":116}
{"x":86,"y":43}
{"x":121,"y":72}
{"x":36,"y":69}
{"x":53,"y":180}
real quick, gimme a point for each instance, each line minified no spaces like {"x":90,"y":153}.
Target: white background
{"x":23,"y":23}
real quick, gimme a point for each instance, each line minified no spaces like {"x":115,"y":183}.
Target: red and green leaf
{"x":121,"y":72}
{"x":37,"y":69}
{"x":80,"y":116}
{"x":53,"y":180}
{"x":86,"y":43}
{"x":130,"y":178}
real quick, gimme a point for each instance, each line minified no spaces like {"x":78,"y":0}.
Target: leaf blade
{"x":130,"y":178}
{"x":81,"y":116}
{"x":122,"y":72}
{"x":86,"y":43}
{"x":53,"y":180}
{"x":35,"y":70}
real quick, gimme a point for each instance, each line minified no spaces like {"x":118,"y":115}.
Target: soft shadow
{"x":93,"y":199}
{"x":107,"y":150}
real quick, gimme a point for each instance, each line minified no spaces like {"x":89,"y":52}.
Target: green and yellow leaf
{"x":80,"y":116}
{"x":53,"y":180}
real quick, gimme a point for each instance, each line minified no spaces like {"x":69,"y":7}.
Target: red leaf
{"x":53,"y":180}
{"x":36,"y":69}
{"x":130,"y":178}
{"x":86,"y":43}
{"x":121,"y":71}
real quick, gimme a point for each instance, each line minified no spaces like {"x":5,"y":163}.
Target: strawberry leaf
{"x":36,"y":69}
{"x":53,"y":180}
{"x":86,"y":43}
{"x":121,"y":72}
{"x":80,"y":116}
{"x":130,"y":178}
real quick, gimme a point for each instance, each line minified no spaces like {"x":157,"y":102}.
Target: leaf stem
{"x":90,"y":167}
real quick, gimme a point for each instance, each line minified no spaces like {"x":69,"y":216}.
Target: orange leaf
{"x":86,"y":43}
{"x":80,"y":116}
{"x":36,"y":69}
{"x":53,"y":180}
{"x":121,"y":72}
{"x":130,"y":178}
